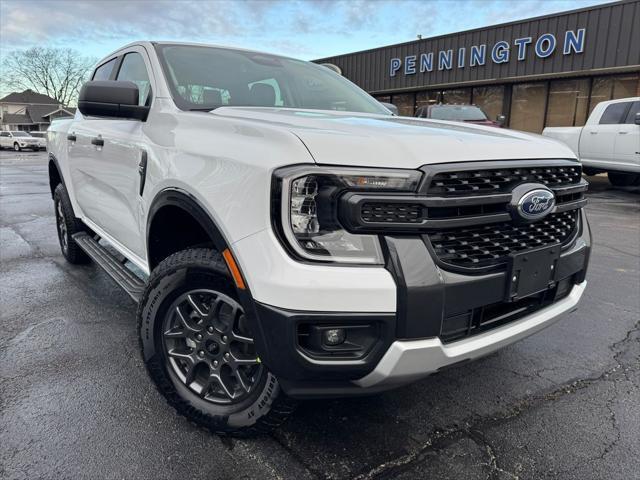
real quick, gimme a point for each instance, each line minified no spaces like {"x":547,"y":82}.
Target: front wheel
{"x":620,"y":179}
{"x":199,"y":349}
{"x":16,"y":147}
{"x":68,"y":225}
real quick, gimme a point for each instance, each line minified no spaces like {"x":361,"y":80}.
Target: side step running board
{"x":124,"y":277}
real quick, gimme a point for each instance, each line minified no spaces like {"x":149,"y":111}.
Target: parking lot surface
{"x":76,"y":402}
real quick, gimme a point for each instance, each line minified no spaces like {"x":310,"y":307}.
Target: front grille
{"x":391,"y":212}
{"x":490,"y":245}
{"x":499,"y":180}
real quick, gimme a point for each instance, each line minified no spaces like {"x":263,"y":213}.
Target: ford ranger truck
{"x":608,"y":142}
{"x":286,"y":237}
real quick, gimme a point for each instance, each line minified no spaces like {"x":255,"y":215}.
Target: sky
{"x":306,"y":29}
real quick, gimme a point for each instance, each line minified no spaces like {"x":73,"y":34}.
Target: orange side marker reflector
{"x":233,"y":268}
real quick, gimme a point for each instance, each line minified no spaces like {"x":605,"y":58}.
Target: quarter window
{"x":134,"y":70}
{"x":614,"y":113}
{"x":103,"y":72}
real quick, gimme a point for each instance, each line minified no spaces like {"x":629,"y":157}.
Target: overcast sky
{"x":305,"y":29}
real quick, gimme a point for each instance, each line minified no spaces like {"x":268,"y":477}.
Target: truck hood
{"x":342,"y":138}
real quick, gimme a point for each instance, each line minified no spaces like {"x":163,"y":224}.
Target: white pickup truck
{"x":609,"y":141}
{"x":294,"y":239}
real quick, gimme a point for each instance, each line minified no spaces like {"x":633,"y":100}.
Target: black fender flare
{"x":184,"y":200}
{"x":53,"y":160}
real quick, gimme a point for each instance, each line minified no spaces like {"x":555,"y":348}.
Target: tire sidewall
{"x":159,"y":296}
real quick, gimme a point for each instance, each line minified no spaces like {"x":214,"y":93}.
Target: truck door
{"x":597,"y":141}
{"x":109,"y":153}
{"x":627,"y":145}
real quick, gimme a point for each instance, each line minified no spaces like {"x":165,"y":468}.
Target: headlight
{"x":306,"y":210}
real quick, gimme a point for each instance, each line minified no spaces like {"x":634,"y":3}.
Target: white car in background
{"x":609,"y":141}
{"x":19,"y":140}
{"x":42,"y":139}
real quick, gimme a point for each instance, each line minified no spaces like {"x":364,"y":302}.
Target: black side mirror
{"x":110,"y":98}
{"x":501,"y":119}
{"x":637,"y":119}
{"x":391,"y":106}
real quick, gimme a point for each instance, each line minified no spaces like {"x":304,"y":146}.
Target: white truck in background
{"x":608,"y":142}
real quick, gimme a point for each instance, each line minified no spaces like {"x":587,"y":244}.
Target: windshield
{"x":20,"y":134}
{"x":457,"y":112}
{"x":204,"y":78}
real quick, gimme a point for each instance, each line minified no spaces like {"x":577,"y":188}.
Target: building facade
{"x":30,"y":111}
{"x":544,"y":71}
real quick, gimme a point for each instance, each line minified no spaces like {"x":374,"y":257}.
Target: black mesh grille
{"x":467,"y":182}
{"x":489,"y":245}
{"x":391,"y":212}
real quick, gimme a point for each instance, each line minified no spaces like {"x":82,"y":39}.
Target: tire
{"x":620,"y":179}
{"x":189,"y":323}
{"x":68,"y":225}
{"x":16,"y":147}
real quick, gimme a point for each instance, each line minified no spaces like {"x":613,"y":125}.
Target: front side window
{"x":204,"y":78}
{"x":614,"y":113}
{"x":20,"y":134}
{"x":103,"y":72}
{"x":633,"y":111}
{"x":134,"y":70}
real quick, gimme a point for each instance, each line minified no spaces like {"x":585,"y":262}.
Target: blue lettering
{"x":545,"y":45}
{"x":500,"y":52}
{"x":522,"y":46}
{"x":410,"y":65}
{"x":461,"y":51}
{"x":478,"y":54}
{"x":426,"y":62}
{"x":395,"y":66}
{"x":444,"y":59}
{"x":573,"y":41}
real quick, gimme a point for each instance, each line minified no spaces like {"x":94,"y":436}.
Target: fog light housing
{"x":333,"y":337}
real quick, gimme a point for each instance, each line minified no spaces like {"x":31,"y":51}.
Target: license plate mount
{"x":531,"y":272}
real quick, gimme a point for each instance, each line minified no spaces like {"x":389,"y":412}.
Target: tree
{"x":55,"y":72}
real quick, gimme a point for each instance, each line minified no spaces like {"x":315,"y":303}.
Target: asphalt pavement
{"x":76,"y":402}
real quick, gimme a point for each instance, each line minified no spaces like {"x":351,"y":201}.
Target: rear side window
{"x":103,"y":72}
{"x":134,"y":70}
{"x":633,"y":111}
{"x":614,"y":113}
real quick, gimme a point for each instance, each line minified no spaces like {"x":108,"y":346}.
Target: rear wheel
{"x":68,"y":225}
{"x":620,"y":179}
{"x":200,"y":351}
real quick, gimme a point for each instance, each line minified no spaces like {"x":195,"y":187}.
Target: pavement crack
{"x":495,"y":468}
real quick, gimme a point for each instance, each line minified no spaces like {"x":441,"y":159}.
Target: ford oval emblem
{"x":535,"y":204}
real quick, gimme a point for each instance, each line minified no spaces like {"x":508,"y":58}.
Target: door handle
{"x":97,"y":141}
{"x":593,"y":132}
{"x":71,"y":137}
{"x":623,"y":133}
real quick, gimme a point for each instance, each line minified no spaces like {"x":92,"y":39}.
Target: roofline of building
{"x":497,"y":25}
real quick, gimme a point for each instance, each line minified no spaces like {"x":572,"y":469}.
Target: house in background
{"x":30,"y":111}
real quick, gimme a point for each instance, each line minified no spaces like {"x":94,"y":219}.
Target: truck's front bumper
{"x":406,"y":361}
{"x":441,"y":318}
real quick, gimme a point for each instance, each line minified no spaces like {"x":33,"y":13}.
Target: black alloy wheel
{"x":209,"y":347}
{"x":61,"y":223}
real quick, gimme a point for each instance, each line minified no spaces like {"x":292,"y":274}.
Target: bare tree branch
{"x":55,"y":72}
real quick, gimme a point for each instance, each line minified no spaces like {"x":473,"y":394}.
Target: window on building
{"x":103,"y":72}
{"x":613,"y":87}
{"x":458,"y":95}
{"x":527,"y":107}
{"x":405,"y":103}
{"x":633,"y":111}
{"x":568,"y":101}
{"x":134,"y":70}
{"x":614,"y":113}
{"x":490,"y":99}
{"x":424,"y":99}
